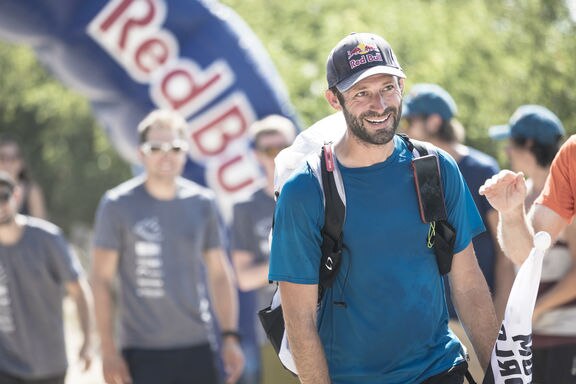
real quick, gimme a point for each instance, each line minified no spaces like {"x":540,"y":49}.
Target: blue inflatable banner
{"x":131,"y":56}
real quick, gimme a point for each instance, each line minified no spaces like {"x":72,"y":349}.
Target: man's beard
{"x":381,"y":136}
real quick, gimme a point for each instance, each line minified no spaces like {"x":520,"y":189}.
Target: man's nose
{"x":378,"y":102}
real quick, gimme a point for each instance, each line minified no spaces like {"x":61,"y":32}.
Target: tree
{"x":66,"y":150}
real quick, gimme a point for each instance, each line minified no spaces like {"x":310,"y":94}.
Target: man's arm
{"x":473,"y":303}
{"x":250,"y":276}
{"x":104,"y":267}
{"x":506,"y":192}
{"x":80,"y":293}
{"x":299,"y":304}
{"x":225,"y":300}
{"x":503,"y":269}
{"x":543,"y":218}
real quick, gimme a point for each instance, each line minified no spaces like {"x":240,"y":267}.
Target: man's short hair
{"x":165,"y":118}
{"x":272,"y":124}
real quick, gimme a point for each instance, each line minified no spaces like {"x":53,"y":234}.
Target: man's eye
{"x":360,"y":94}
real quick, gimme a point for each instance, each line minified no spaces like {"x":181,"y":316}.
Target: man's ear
{"x":332,"y":100}
{"x":401,"y":85}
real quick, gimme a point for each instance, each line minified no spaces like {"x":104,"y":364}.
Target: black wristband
{"x":233,"y":334}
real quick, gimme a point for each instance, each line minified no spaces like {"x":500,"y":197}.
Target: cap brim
{"x":499,"y":132}
{"x":346,"y":84}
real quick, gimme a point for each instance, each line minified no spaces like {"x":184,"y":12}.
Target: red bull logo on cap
{"x":368,"y":53}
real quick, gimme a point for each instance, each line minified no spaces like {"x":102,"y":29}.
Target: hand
{"x":505,"y":191}
{"x":85,"y":355}
{"x":233,"y":359}
{"x":115,"y":369}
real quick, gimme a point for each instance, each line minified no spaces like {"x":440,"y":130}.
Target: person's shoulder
{"x":445,"y":158}
{"x":253,"y":199}
{"x":40,"y":227}
{"x":302,"y":181}
{"x":480,"y":159}
{"x":189,"y":189}
{"x":570,"y":145}
{"x":567,"y":154}
{"x":124,"y":190}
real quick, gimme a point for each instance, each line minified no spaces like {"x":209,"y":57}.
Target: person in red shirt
{"x":552,"y":211}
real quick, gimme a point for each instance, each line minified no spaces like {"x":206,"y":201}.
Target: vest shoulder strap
{"x":334,"y":214}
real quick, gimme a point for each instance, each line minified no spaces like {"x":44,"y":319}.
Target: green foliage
{"x":66,"y":151}
{"x":492,"y":56}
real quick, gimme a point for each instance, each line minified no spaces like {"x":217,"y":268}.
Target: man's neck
{"x":11,"y":232}
{"x":354,"y":153}
{"x":161,"y":189}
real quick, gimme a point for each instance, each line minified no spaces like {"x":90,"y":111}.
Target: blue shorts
{"x":172,"y":366}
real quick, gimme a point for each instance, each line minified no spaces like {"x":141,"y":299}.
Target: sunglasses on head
{"x":270,"y":151}
{"x":175,"y":146}
{"x":5,"y":195}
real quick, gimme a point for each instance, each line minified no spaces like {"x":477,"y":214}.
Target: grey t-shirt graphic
{"x":163,"y":299}
{"x":33,"y":274}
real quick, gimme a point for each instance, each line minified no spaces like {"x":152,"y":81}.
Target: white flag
{"x":511,"y":361}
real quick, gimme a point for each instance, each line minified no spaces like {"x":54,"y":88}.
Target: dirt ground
{"x":273,"y":373}
{"x":73,"y":342}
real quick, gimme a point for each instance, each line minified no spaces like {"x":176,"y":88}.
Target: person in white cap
{"x":250,"y":250}
{"x":534,"y":137}
{"x":384,"y":320}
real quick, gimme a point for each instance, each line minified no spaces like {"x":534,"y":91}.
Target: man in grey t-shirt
{"x":37,"y":267}
{"x":160,"y":235}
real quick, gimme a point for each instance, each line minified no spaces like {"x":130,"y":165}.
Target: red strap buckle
{"x":329,"y":158}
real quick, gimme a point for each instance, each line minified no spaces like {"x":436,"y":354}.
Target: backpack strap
{"x":441,"y":234}
{"x":334,"y":213}
{"x":417,"y":147}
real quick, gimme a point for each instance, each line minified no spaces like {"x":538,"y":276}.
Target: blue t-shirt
{"x":476,"y":167}
{"x":394,"y":327}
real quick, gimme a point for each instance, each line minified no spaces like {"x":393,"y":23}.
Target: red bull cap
{"x":358,"y":56}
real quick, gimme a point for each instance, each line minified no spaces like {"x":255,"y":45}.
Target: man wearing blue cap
{"x":429,"y":114}
{"x":555,"y":207}
{"x":534,"y":135}
{"x":384,"y":319}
